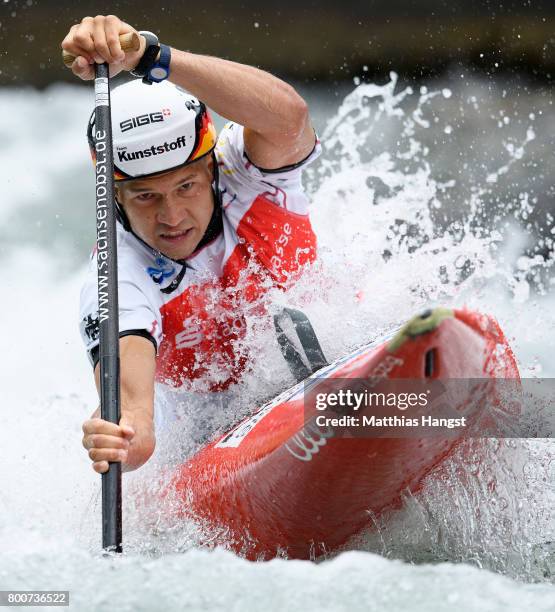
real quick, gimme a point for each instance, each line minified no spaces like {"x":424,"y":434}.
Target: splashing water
{"x":386,"y":254}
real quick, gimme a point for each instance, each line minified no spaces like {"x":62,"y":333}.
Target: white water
{"x":396,"y":193}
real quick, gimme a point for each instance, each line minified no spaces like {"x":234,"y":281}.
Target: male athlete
{"x":205,"y":226}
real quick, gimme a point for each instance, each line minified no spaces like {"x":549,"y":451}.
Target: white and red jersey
{"x":266,"y":240}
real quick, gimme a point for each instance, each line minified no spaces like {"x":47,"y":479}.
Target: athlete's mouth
{"x":176,"y":236}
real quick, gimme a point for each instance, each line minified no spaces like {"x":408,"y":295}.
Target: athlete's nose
{"x":171,"y":212}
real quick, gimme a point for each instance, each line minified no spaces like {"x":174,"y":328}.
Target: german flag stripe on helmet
{"x":206,"y":136}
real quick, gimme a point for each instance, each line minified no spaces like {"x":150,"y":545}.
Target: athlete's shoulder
{"x":230,"y":149}
{"x":242,"y":183}
{"x":236,"y":168}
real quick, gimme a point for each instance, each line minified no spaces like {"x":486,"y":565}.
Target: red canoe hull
{"x":274,"y":485}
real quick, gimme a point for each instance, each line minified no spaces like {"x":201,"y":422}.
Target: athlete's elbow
{"x":298,"y":113}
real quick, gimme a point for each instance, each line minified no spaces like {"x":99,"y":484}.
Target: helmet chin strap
{"x":215,"y":227}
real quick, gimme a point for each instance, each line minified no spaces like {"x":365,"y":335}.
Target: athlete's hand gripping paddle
{"x":128,"y":42}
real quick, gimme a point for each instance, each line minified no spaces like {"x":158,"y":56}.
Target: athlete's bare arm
{"x":132,"y":441}
{"x":278,"y":131}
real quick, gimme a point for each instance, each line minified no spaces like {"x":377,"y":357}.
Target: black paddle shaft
{"x":314,"y":358}
{"x":106,"y":244}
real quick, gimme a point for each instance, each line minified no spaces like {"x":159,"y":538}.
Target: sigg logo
{"x":139,"y":120}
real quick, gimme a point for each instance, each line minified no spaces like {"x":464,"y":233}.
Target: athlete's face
{"x":171,"y":212}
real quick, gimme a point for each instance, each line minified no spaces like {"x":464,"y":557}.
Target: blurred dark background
{"x":303,"y":40}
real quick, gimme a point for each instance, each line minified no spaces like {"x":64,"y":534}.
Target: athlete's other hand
{"x":96,"y":40}
{"x":130,"y":443}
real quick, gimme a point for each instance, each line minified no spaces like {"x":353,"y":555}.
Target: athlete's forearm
{"x":240,"y":93}
{"x":137,"y":369}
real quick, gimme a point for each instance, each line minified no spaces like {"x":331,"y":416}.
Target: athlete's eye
{"x":186,"y":186}
{"x":143,"y":197}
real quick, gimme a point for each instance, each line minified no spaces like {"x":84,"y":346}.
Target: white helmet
{"x":155,"y":128}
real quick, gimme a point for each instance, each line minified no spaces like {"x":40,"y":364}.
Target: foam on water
{"x":395,"y":235}
{"x":218,"y":580}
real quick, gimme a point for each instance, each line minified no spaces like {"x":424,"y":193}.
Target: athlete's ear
{"x":210,"y":166}
{"x":118,"y":192}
